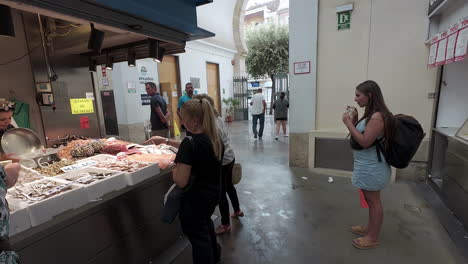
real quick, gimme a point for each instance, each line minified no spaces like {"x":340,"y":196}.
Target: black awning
{"x":173,"y":21}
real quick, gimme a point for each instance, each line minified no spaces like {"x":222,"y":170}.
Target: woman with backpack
{"x":371,"y":174}
{"x":198,"y":172}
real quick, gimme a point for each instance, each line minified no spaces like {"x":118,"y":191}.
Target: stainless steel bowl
{"x":21,"y":141}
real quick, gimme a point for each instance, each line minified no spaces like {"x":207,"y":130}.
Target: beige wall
{"x":17,"y":76}
{"x":341,"y":61}
{"x":385,"y":44}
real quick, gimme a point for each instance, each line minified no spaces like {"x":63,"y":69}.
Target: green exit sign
{"x":344,"y":20}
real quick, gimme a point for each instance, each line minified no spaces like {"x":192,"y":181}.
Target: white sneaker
{"x":285,"y":136}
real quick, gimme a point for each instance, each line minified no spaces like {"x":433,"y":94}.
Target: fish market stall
{"x":92,"y":201}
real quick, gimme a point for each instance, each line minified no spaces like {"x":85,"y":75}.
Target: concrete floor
{"x":295,"y":216}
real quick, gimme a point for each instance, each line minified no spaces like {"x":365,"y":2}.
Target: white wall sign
{"x":442,"y":49}
{"x":452,"y":40}
{"x":302,"y":67}
{"x":79,"y":166}
{"x":462,"y":41}
{"x":146,"y":73}
{"x":90,"y":96}
{"x":433,"y":51}
{"x":195,"y":82}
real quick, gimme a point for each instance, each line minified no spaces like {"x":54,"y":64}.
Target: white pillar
{"x":303,"y":27}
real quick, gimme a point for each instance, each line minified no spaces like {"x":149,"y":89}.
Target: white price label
{"x":79,"y":166}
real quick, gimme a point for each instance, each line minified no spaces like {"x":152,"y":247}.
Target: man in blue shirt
{"x":159,"y":113}
{"x":187,"y":96}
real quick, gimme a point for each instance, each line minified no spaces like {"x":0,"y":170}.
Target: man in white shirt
{"x":258,"y":112}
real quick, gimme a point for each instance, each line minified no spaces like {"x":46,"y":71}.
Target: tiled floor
{"x":295,"y":216}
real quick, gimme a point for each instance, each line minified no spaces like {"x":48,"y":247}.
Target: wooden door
{"x":212,"y":77}
{"x":169,"y":86}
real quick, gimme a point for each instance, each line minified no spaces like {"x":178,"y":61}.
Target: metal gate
{"x":241,"y":111}
{"x":282,"y":85}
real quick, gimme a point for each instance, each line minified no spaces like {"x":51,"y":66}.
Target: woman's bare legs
{"x":375,"y":215}
{"x":283,"y":123}
{"x":278,"y":123}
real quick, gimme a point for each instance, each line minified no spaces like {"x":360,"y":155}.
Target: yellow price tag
{"x":81,"y":106}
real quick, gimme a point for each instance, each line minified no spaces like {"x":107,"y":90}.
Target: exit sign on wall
{"x":344,"y":20}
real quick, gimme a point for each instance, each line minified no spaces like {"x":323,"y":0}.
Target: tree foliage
{"x":268,"y":50}
{"x":268,"y":53}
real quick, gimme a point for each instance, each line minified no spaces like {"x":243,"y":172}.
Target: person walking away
{"x":187,"y":96}
{"x":159,"y":114}
{"x":281,"y":107}
{"x":198,"y":171}
{"x":369,"y":174}
{"x":8,"y":177}
{"x":258,"y":113}
{"x":226,"y":171}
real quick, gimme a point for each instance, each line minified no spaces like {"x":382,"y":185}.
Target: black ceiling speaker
{"x":109,"y":62}
{"x":7,"y":28}
{"x":92,"y":65}
{"x":161,"y":53}
{"x":96,"y":37}
{"x":154,"y":49}
{"x":131,"y":58}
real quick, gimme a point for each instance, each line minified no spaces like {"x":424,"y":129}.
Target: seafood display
{"x":38,"y":191}
{"x":88,"y":177}
{"x":54,"y":168}
{"x":27,"y":175}
{"x":123,"y":165}
{"x":163,"y":160}
{"x":80,"y":173}
{"x":161,"y":149}
{"x":65,"y":152}
{"x":102,"y":158}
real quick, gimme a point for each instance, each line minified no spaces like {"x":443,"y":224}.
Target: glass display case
{"x":463,"y":131}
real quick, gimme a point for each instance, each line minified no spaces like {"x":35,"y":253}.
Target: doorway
{"x":212,"y":78}
{"x":169,"y":85}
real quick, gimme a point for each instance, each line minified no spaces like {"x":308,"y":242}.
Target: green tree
{"x":268,"y":53}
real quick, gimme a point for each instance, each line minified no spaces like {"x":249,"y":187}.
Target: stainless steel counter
{"x":450,"y":164}
{"x":122,"y":227}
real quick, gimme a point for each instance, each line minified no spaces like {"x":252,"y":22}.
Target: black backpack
{"x":406,"y":138}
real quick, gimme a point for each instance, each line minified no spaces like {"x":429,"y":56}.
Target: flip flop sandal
{"x":358,"y":230}
{"x":237,"y":214}
{"x":362,"y":243}
{"x":222,"y":229}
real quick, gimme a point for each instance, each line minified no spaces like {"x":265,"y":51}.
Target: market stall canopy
{"x":172,"y":21}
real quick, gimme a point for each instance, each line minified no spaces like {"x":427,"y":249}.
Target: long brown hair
{"x":376,"y":103}
{"x":201,"y":111}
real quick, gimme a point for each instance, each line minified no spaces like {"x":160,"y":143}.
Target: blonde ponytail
{"x":201,"y":110}
{"x":209,"y":125}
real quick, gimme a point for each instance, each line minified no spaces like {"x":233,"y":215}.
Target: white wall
{"x":217,"y":17}
{"x":193,"y":64}
{"x":128,"y":105}
{"x":133,"y":111}
{"x":303,"y":47}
